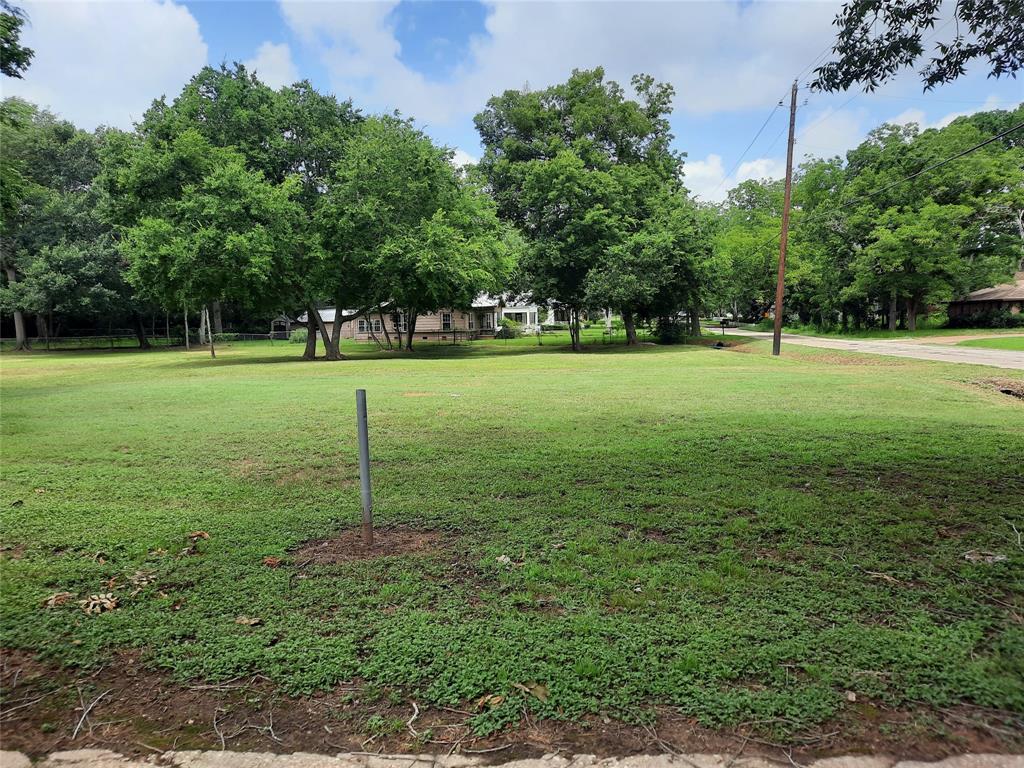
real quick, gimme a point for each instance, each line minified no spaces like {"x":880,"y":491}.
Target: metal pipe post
{"x":364,"y":466}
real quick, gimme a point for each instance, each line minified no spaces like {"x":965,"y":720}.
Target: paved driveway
{"x":997,"y":358}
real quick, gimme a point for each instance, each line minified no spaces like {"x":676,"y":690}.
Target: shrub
{"x":991,"y":318}
{"x":508,"y":329}
{"x":220,"y":338}
{"x":298,"y":336}
{"x":668,"y":330}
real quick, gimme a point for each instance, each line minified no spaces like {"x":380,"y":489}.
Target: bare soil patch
{"x":1011,"y":387}
{"x":145,"y":712}
{"x":349,"y":545}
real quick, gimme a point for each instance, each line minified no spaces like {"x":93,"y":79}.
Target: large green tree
{"x":406,"y":232}
{"x":58,"y":250}
{"x":892,"y":230}
{"x":286,"y":140}
{"x":578,"y":168}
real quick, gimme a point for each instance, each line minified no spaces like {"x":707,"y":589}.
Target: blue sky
{"x":730,"y":63}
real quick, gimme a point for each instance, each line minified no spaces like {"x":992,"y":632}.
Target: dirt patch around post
{"x":349,"y":545}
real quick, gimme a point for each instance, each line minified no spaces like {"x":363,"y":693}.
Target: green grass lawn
{"x":1014,"y":343}
{"x":740,"y":537}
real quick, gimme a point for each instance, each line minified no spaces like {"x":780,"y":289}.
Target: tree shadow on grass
{"x":448,"y":352}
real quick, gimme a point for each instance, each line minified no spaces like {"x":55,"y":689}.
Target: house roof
{"x":485,"y":300}
{"x":327,"y":314}
{"x":1005,"y":292}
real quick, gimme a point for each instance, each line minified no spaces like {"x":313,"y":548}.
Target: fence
{"x":130,"y":340}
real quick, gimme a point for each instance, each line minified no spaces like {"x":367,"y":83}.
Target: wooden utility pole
{"x":780,"y":285}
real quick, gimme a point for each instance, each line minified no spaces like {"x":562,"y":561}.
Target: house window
{"x":446,"y":321}
{"x":377,"y":328}
{"x":403,"y":323}
{"x":362,"y":326}
{"x":471,"y":321}
{"x":487,"y":321}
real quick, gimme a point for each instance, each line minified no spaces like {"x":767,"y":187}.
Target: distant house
{"x":1006,"y":297}
{"x":445,"y":325}
{"x":482,"y":319}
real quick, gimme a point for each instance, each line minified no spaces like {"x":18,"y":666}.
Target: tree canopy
{"x":869,"y":245}
{"x":581,"y":169}
{"x":879,"y":38}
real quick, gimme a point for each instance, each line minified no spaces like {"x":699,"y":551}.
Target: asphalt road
{"x":945,"y":353}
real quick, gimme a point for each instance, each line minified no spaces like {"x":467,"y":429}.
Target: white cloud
{"x":273,"y":65}
{"x":908,"y":116}
{"x":707,"y":178}
{"x":762,"y":168}
{"x":104,"y":62}
{"x":719,"y":56}
{"x":830,"y":132}
{"x":462,"y":158}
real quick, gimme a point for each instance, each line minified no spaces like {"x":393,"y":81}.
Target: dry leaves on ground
{"x":57,"y":599}
{"x":101,"y":603}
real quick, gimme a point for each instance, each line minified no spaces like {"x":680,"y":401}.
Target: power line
{"x":773,"y":241}
{"x":939,"y":164}
{"x":744,"y":153}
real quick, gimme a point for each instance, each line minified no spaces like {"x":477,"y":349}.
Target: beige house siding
{"x":430,"y":326}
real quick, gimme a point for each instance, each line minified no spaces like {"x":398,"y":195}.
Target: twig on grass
{"x":485,"y":751}
{"x":735,"y":757}
{"x":456,"y":744}
{"x":411,"y":720}
{"x":8,"y":710}
{"x":670,"y":748}
{"x":86,"y":710}
{"x":789,"y":756}
{"x":217,"y":730}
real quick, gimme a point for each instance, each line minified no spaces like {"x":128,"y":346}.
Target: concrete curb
{"x":103,"y":758}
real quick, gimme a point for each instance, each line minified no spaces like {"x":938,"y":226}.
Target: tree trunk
{"x":893,"y":311}
{"x":384,"y":327}
{"x":912,"y":314}
{"x":336,"y":330}
{"x":310,"y":351}
{"x":410,"y":328}
{"x":203,"y":330}
{"x":184,"y":315}
{"x":218,"y":321}
{"x":167,"y":327}
{"x":574,"y":329}
{"x":630,"y":324}
{"x":140,"y":331}
{"x":206,"y":313}
{"x":21,"y":339}
{"x":693,"y":320}
{"x":42,"y":329}
{"x":329,"y":342}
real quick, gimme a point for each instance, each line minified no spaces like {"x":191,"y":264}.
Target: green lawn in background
{"x":884,"y":333}
{"x":742,"y":537}
{"x":1014,"y":343}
